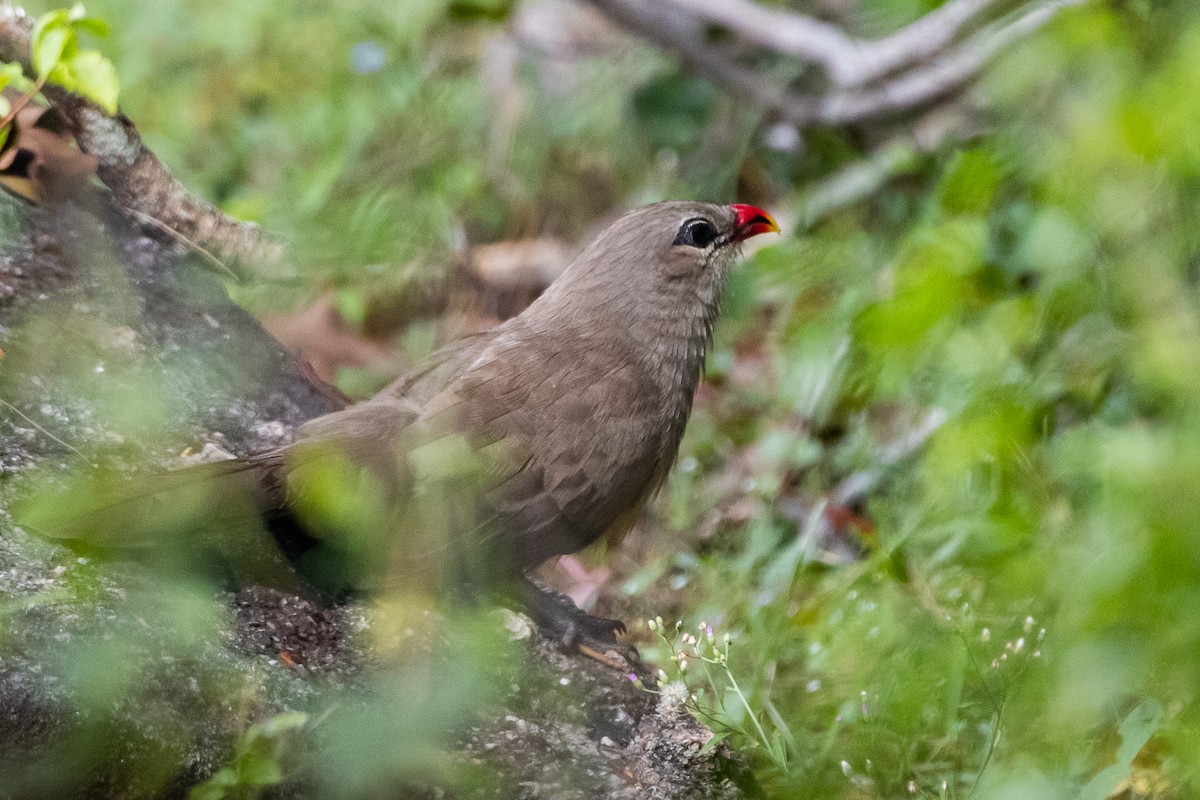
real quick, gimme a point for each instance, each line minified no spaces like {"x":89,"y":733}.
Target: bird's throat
{"x":678,"y":350}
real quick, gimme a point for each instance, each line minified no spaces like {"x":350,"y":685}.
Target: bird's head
{"x":670,"y":257}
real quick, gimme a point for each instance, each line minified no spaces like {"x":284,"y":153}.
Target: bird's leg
{"x":560,"y":620}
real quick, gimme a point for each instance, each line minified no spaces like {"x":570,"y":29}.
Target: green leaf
{"x":53,"y":36}
{"x":282,"y":723}
{"x":258,"y":766}
{"x":1136,"y":729}
{"x":486,"y":9}
{"x":57,"y":57}
{"x":716,"y":739}
{"x":217,"y":787}
{"x":673,"y":110}
{"x":12,"y":75}
{"x":80,"y":21}
{"x":970,"y":183}
{"x":257,"y":761}
{"x":352,"y":306}
{"x":93,"y":25}
{"x":90,"y":74}
{"x":778,"y":749}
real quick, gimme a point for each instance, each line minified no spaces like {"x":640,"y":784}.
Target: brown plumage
{"x":570,"y":414}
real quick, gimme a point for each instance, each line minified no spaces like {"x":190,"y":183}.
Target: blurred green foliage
{"x":1022,"y":617}
{"x":1031,"y":581}
{"x":368,"y":134}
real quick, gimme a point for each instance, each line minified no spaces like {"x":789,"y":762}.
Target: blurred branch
{"x":139,"y":182}
{"x":684,"y":35}
{"x":822,"y":521}
{"x":849,"y":62}
{"x":945,"y":74}
{"x":919,"y":64}
{"x":856,"y":181}
{"x":858,"y":485}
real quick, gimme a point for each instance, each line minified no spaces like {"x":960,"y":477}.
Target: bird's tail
{"x":210,"y":518}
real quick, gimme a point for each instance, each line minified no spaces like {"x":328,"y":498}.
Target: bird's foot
{"x":574,"y":630}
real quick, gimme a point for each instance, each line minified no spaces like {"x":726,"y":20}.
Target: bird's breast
{"x":589,"y":425}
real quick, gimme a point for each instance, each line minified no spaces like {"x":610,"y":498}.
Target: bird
{"x":509,"y":447}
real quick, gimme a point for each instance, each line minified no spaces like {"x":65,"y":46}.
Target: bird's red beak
{"x":751,"y":221}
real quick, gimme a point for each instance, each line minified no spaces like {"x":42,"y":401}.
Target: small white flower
{"x":673,"y":699}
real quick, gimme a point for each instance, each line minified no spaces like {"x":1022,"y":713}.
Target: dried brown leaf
{"x":41,"y":161}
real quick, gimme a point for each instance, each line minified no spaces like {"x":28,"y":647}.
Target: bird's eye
{"x":697,"y":233}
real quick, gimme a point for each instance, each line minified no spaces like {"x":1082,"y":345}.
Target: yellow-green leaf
{"x":93,"y":25}
{"x":90,"y":74}
{"x":53,"y":37}
{"x":12,"y":75}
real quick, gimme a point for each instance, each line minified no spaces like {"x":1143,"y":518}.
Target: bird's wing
{"x":566,"y":452}
{"x":344,"y":474}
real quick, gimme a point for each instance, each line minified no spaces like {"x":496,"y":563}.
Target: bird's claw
{"x":586,"y":626}
{"x":574,"y":630}
{"x":596,"y":638}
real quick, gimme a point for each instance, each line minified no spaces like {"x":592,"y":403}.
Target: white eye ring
{"x":697,"y":232}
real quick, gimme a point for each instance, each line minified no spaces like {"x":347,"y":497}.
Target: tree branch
{"x":675,"y":31}
{"x":139,"y":182}
{"x":944,"y":75}
{"x":924,"y":63}
{"x":849,"y":62}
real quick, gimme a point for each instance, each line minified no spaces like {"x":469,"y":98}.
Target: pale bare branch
{"x":923,"y":61}
{"x":684,"y":36}
{"x":944,"y":74}
{"x":848,"y":62}
{"x":913,"y":43}
{"x":785,"y":32}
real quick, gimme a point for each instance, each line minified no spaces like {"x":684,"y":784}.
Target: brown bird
{"x":532,"y":440}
